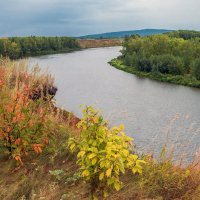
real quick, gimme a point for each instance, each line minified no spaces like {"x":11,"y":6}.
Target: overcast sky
{"x":80,"y":17}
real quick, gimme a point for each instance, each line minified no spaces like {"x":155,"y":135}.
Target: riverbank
{"x":37,"y":164}
{"x":178,"y":79}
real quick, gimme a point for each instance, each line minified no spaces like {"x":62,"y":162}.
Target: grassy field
{"x":94,"y":43}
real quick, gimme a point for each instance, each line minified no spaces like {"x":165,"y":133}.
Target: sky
{"x":82,"y":17}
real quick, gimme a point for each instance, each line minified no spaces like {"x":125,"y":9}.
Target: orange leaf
{"x":35,"y":148}
{"x":8,"y":129}
{"x":46,"y":141}
{"x":30,"y":123}
{"x":9,"y":108}
{"x":39,"y":149}
{"x":18,"y":158}
{"x":17,"y":141}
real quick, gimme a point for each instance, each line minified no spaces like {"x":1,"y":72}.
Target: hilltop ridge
{"x":121,"y":34}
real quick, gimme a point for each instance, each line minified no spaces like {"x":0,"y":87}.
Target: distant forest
{"x":169,"y":57}
{"x":185,"y":34}
{"x":19,"y":47}
{"x":175,"y":53}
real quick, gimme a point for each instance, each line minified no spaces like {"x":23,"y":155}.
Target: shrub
{"x":23,"y":122}
{"x":167,"y":181}
{"x":196,"y":69}
{"x":144,"y":63}
{"x":131,"y":60}
{"x":167,"y":64}
{"x":127,"y":60}
{"x":103,"y":153}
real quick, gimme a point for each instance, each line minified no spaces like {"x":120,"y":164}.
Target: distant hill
{"x":122,"y":34}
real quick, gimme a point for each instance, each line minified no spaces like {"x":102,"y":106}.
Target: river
{"x":154,"y":113}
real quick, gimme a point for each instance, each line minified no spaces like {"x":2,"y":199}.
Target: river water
{"x":154,"y":113}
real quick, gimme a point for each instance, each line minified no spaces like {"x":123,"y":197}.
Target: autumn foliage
{"x":23,"y":122}
{"x":103,"y":153}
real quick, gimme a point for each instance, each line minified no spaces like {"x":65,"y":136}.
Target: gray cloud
{"x":79,"y":17}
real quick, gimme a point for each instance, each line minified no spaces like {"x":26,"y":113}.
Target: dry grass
{"x":93,"y":43}
{"x":15,"y":71}
{"x":33,"y":181}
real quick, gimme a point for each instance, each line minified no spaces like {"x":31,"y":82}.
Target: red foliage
{"x":22,"y":121}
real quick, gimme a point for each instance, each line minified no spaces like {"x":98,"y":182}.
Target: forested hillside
{"x":122,"y":34}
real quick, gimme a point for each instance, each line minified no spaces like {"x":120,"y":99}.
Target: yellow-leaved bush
{"x":103,"y":153}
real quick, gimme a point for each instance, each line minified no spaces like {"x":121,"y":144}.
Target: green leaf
{"x":117,"y":186}
{"x":121,"y":167}
{"x":121,"y":126}
{"x":94,"y":161}
{"x":92,"y":155}
{"x":105,"y":194}
{"x":72,"y":146}
{"x":95,"y":197}
{"x":135,"y":157}
{"x":125,"y":152}
{"x":108,"y":172}
{"x":110,"y":181}
{"x":81,"y":154}
{"x":137,"y":169}
{"x":138,"y":162}
{"x":102,"y":164}
{"x":85,"y":173}
{"x":101,"y":176}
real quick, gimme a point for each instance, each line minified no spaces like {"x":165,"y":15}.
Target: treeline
{"x":163,"y":54}
{"x":185,"y":34}
{"x":18,"y":47}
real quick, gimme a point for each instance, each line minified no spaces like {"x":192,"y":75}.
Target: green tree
{"x":196,"y":69}
{"x":13,"y":50}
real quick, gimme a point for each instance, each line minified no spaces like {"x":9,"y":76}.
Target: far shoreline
{"x":178,"y":80}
